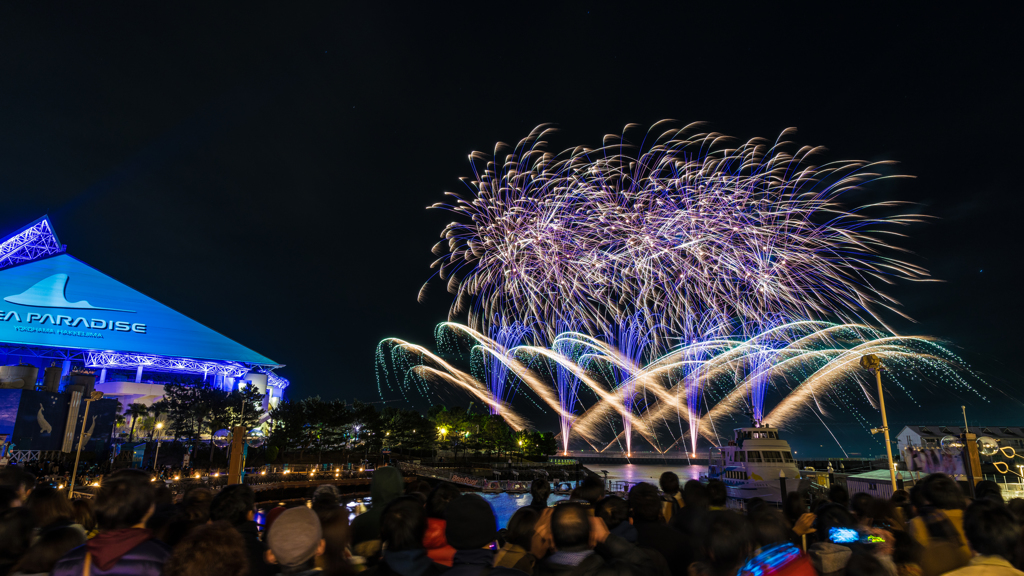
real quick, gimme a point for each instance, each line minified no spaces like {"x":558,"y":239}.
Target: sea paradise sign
{"x":62,"y":302}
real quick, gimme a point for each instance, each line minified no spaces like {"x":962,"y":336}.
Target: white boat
{"x":752,"y":464}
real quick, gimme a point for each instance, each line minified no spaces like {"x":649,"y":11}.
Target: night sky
{"x":265,"y":169}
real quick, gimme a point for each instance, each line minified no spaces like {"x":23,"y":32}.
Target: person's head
{"x":420,"y":486}
{"x":669,"y":483}
{"x":295,"y":540}
{"x":50,"y":507}
{"x":196,"y":504}
{"x":540,"y":490}
{"x":163,"y":497}
{"x":863,"y":563}
{"x":916,"y":495}
{"x":860,"y":506}
{"x":644,"y":503}
{"x":15,"y":533}
{"x":769,"y":526}
{"x":522,"y":526}
{"x":991,"y":529}
{"x":943,"y":492}
{"x":234,"y":504}
{"x":755,"y":504}
{"x":337,"y":537}
{"x":717,"y":494}
{"x":613,"y":510}
{"x":728,"y":541}
{"x":570,"y":527}
{"x":470,"y":523}
{"x":695,"y":495}
{"x":125,"y":499}
{"x":839,"y":495}
{"x":8,"y":498}
{"x":18,"y":479}
{"x":900,"y":497}
{"x":403,"y":524}
{"x":83,"y":515}
{"x":439,"y":498}
{"x":591,"y":489}
{"x":832,"y":515}
{"x":386,"y":485}
{"x":326,"y":499}
{"x":988,"y":490}
{"x":213,"y":549}
{"x":51,"y":546}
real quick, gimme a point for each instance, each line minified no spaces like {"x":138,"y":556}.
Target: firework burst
{"x":682,"y":225}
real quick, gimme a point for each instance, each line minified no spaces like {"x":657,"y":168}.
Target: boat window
{"x":740,"y":456}
{"x":772,"y":456}
{"x":754,"y":456}
{"x":787,"y":457}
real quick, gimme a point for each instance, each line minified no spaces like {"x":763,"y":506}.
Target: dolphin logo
{"x":49,"y":293}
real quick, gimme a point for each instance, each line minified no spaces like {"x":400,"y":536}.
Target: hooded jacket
{"x":387,"y":484}
{"x":128,"y":552}
{"x":941,"y":554}
{"x":436,"y":544}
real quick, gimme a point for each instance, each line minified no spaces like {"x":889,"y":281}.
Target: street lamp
{"x":159,"y":428}
{"x":96,"y":395}
{"x":872,"y":363}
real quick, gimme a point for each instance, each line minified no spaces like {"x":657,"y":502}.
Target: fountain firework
{"x":813,"y":366}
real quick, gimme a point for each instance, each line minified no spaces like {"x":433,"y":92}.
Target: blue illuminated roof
{"x":35,"y":241}
{"x":60,"y":301}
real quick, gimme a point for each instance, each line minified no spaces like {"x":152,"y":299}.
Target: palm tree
{"x":156,"y":410}
{"x":135,"y":410}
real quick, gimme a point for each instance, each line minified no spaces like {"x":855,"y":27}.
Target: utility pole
{"x":874,"y":364}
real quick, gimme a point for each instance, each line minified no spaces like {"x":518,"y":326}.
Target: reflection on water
{"x":505,"y":505}
{"x":647,"y":472}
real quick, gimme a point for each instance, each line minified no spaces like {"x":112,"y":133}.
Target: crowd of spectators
{"x":133,"y":526}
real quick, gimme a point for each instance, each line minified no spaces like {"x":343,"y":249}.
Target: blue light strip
{"x":33,"y":242}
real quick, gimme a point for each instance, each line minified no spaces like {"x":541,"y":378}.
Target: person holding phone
{"x":580,"y":544}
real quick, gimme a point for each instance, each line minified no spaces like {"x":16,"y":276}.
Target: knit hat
{"x":295,"y":536}
{"x":470,"y":523}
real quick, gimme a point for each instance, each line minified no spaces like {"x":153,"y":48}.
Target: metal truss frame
{"x":46,"y":352}
{"x":35,"y":241}
{"x":180,"y":365}
{"x":94,"y":359}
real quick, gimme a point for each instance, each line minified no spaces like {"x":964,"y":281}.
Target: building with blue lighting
{"x":56,"y":312}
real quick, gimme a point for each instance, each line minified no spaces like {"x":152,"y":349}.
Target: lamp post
{"x":872,"y":363}
{"x":159,"y":428}
{"x":96,"y":395}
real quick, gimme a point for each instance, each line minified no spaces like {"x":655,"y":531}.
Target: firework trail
{"x":504,"y":336}
{"x":634,"y":338}
{"x":567,"y":384}
{"x":684,"y":224}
